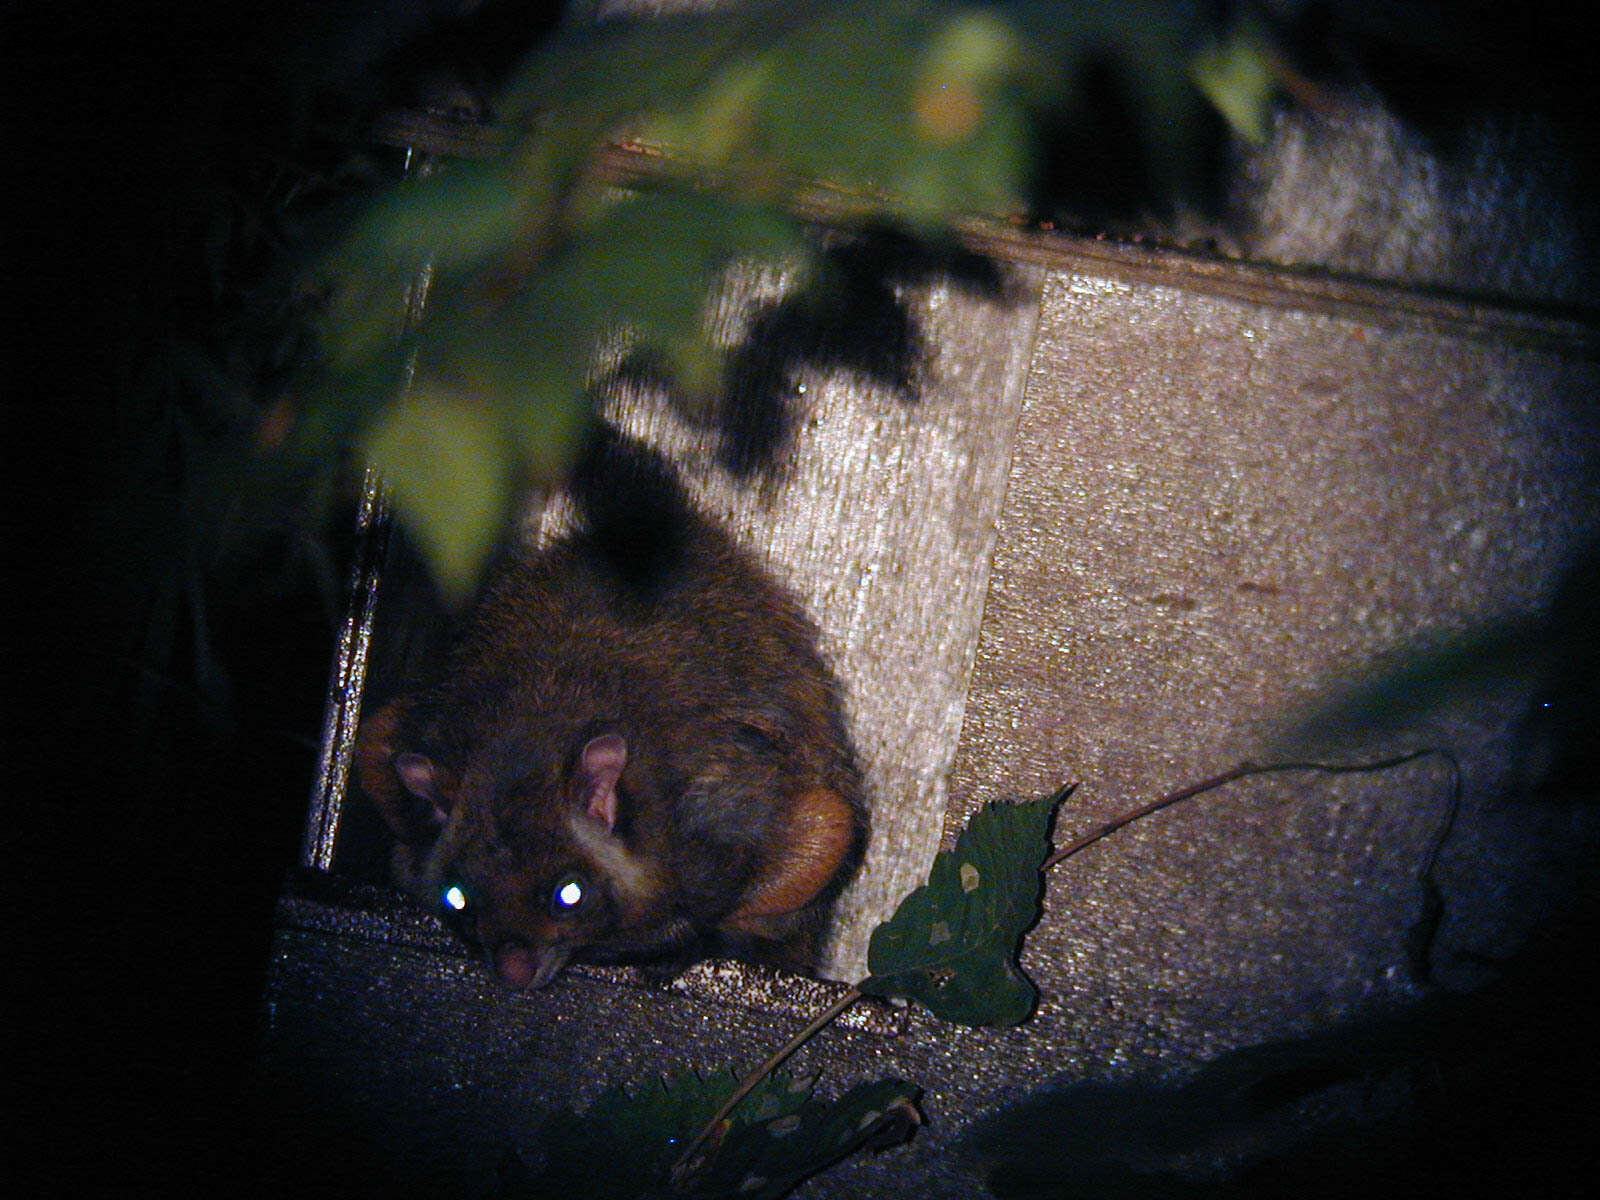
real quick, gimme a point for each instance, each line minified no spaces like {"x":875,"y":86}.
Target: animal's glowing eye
{"x":454,"y":898}
{"x":567,"y":896}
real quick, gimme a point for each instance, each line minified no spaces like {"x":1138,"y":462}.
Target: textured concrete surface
{"x":1220,"y":515}
{"x":1141,"y":522}
{"x":883,"y":521}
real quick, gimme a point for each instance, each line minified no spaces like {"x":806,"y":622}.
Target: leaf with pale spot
{"x":953,"y":943}
{"x":762,"y":1160}
{"x":624,"y":1146}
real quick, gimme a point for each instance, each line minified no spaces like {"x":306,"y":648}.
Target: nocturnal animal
{"x":636,"y":753}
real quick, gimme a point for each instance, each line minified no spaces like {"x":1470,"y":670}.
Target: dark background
{"x":161,"y":806}
{"x":161,"y":797}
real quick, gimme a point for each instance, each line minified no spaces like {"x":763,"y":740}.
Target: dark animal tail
{"x":634,"y":506}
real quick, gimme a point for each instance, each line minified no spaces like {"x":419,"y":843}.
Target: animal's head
{"x":531,"y":872}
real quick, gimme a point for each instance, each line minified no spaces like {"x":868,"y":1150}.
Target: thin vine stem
{"x":1245,"y":770}
{"x":689,"y":1161}
{"x":692,"y":1159}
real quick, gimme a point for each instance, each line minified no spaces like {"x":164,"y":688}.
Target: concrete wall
{"x":1147,"y":512}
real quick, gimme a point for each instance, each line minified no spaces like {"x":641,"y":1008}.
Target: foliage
{"x":952,"y":944}
{"x":624,"y":1145}
{"x":916,"y":114}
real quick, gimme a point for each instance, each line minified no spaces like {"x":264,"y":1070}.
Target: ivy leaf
{"x":952,"y":944}
{"x":623,"y":1147}
{"x":452,"y":474}
{"x":763,"y":1160}
{"x":916,"y":113}
{"x":649,"y":263}
{"x":451,"y":218}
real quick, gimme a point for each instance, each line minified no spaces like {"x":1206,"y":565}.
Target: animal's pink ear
{"x":421,"y":776}
{"x":599,"y":768}
{"x":397,"y":780}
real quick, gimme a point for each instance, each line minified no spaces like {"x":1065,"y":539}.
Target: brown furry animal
{"x":637,"y":753}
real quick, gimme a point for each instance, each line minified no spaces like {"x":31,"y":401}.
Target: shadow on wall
{"x":1474,"y":1094}
{"x":1467,"y":1093}
{"x":850,"y":315}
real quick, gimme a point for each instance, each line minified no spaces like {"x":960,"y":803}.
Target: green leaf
{"x":452,"y":473}
{"x":625,"y":1145}
{"x":524,"y":366}
{"x":762,"y":1160}
{"x":1237,"y":74}
{"x":648,"y":263}
{"x":502,"y":396}
{"x":454,"y":217}
{"x":922,"y":111}
{"x":953,"y":943}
